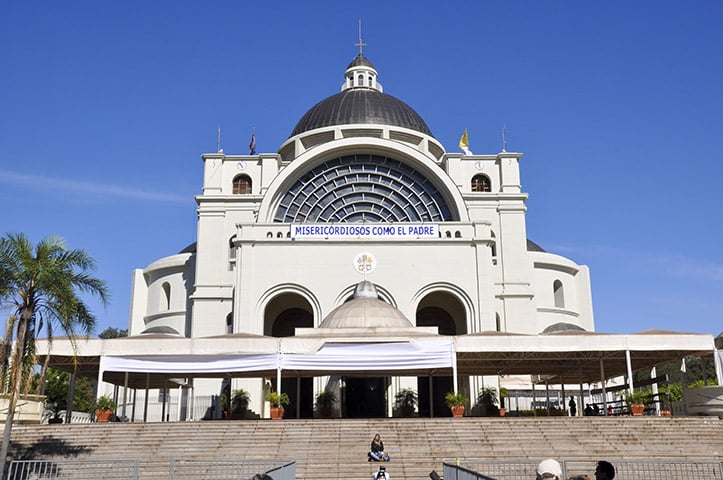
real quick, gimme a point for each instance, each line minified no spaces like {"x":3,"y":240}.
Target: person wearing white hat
{"x":381,"y":474}
{"x":549,"y":469}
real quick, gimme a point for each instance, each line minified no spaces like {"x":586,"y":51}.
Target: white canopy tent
{"x":570,"y":357}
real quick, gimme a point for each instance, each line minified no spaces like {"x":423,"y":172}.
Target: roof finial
{"x":360,"y":44}
{"x":218,"y":140}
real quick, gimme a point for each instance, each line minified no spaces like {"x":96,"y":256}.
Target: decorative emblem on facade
{"x":241,"y":165}
{"x":365,"y":263}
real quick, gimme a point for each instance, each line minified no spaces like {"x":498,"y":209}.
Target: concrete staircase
{"x":336,"y":449}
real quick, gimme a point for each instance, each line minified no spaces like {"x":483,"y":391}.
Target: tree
{"x":112,"y":332}
{"x":41,"y":285}
{"x":57,"y":385}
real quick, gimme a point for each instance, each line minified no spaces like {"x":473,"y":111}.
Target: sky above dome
{"x":106,"y":108}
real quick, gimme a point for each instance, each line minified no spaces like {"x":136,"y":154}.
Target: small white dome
{"x":365,"y":310}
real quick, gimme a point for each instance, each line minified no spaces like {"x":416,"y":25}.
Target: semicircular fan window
{"x":362,"y":188}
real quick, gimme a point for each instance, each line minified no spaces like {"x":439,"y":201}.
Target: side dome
{"x":365,"y":106}
{"x":365,"y":310}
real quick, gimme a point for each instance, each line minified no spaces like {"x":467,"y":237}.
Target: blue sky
{"x":106,"y":107}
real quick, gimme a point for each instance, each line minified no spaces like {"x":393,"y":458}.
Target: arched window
{"x":166,"y":300}
{"x":229,"y":323}
{"x":457,"y":234}
{"x":232,"y":248}
{"x":241,"y":185}
{"x":493,"y":248}
{"x":370,"y":81}
{"x":557,"y":290}
{"x":360,"y":80}
{"x":481,"y":183}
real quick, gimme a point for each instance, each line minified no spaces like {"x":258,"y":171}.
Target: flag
{"x":252,"y":145}
{"x":464,"y":143}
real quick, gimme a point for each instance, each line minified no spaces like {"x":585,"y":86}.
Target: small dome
{"x":365,"y":106}
{"x":562,"y":327}
{"x":360,"y":61}
{"x":161,"y":329}
{"x":365,"y":310}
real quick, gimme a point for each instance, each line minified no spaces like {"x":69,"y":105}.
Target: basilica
{"x":360,"y":190}
{"x":364,"y":260}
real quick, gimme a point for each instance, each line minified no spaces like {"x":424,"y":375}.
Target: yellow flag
{"x":464,"y":141}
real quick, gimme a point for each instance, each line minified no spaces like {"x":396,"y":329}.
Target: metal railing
{"x":70,"y":469}
{"x":231,"y":469}
{"x":653,"y":470}
{"x":499,"y":470}
{"x":458,"y":472}
{"x":525,"y":470}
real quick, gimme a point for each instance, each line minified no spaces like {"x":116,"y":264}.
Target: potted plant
{"x":104,"y":407}
{"x":487,"y":399}
{"x":455,"y":401}
{"x":405,"y":401}
{"x":54,"y":409}
{"x":636,"y":402}
{"x":239,"y":404}
{"x":277,"y":401}
{"x":324,"y":402}
{"x":503,"y":395}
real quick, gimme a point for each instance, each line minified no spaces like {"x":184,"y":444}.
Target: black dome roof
{"x":361,"y":106}
{"x":359,"y":61}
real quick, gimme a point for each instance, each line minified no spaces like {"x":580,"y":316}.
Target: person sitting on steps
{"x":376,"y":451}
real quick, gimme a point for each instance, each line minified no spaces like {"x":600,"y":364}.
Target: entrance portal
{"x":440,"y":387}
{"x":301,"y":393}
{"x":364,"y":397}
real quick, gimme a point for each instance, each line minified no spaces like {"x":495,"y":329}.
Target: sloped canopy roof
{"x":561,"y":358}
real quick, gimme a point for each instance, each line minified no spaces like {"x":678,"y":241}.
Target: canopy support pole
{"x":431,"y":397}
{"x":653,"y":374}
{"x":125,"y":394}
{"x":71,"y":394}
{"x":602,"y":381}
{"x":145,"y":398}
{"x":454,"y":367}
{"x":178,"y":410}
{"x":630,"y":371}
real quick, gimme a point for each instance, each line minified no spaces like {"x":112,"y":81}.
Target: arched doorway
{"x":445,"y":311}
{"x":283,"y":315}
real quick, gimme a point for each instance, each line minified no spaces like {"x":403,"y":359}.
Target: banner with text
{"x":376,"y":231}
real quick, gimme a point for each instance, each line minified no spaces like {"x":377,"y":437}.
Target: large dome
{"x":366,"y":106}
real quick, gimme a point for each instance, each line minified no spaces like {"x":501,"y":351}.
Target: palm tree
{"x":41,"y":285}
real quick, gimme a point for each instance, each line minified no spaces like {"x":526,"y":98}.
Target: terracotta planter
{"x":665,"y":413}
{"x":502,"y":412}
{"x":637,"y":409}
{"x":457,"y":410}
{"x":103,"y":416}
{"x":277,"y":413}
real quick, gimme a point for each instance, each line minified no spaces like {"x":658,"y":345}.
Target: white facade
{"x":248,"y":272}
